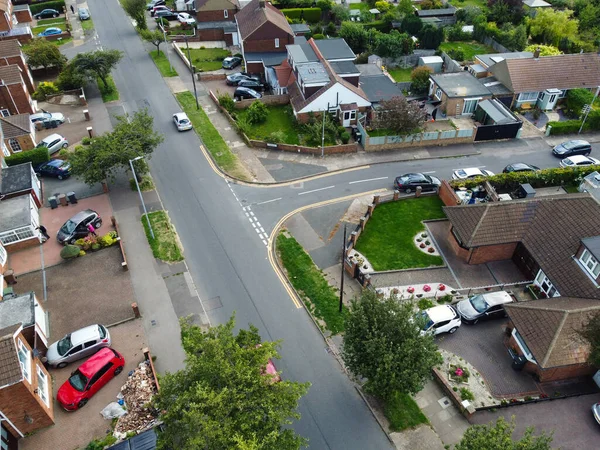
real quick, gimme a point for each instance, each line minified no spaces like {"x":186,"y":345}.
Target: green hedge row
{"x":539,"y":179}
{"x":379,"y":25}
{"x":310,"y":15}
{"x":566,"y":127}
{"x":39,"y":7}
{"x":35,"y":156}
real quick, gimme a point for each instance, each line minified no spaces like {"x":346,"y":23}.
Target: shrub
{"x":257,"y":112}
{"x":36,"y":156}
{"x":466,"y":394}
{"x":226,"y":102}
{"x":576,"y":100}
{"x":455,"y":33}
{"x":341,"y":130}
{"x":325,"y":5}
{"x":44,"y":89}
{"x":108,"y":239}
{"x":70,"y":252}
{"x":457,"y":54}
{"x":86,"y":141}
{"x":164,"y":22}
{"x":566,"y":127}
{"x":276,"y":137}
{"x":39,"y":7}
{"x":424,"y":303}
{"x":310,"y":15}
{"x":420,"y":79}
{"x":318,"y":36}
{"x":331,"y":29}
{"x":345,"y":137}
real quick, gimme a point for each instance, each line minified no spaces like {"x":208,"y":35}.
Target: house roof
{"x":379,"y":88}
{"x":143,"y":441}
{"x":15,"y":213}
{"x":593,"y":245}
{"x":489,"y":59}
{"x":334,"y":49}
{"x":16,"y":179}
{"x":14,"y":126}
{"x":368,"y":70}
{"x":299,"y":28}
{"x":549,"y":328}
{"x":5,"y":5}
{"x":580,"y":70}
{"x":497,"y":111}
{"x":313,"y":72}
{"x":283,"y":72}
{"x":253,"y":16}
{"x":219,"y":25}
{"x":301,"y":53}
{"x":11,"y":47}
{"x":201,"y":3}
{"x":436,"y":12}
{"x":11,"y":74}
{"x":460,"y":84}
{"x":10,"y":368}
{"x":344,"y":67}
{"x":267,"y":58}
{"x":18,"y":310}
{"x":536,"y":3}
{"x":494,"y":86}
{"x":539,"y":224}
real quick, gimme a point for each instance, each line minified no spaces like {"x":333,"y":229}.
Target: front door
{"x":349,"y":116}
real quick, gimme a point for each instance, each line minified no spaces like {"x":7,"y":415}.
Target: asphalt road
{"x":227,"y":257}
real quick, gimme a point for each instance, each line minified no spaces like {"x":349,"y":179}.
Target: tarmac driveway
{"x":54,"y":186}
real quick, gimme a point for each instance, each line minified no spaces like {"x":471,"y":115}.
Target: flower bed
{"x":423,"y":242}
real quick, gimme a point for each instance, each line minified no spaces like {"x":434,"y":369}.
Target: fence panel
{"x":430,"y":135}
{"x":448,"y":134}
{"x":376,"y":140}
{"x":465,"y":133}
{"x":394,"y":139}
{"x":363,"y":132}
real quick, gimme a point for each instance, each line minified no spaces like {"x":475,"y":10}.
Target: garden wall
{"x":450,"y":65}
{"x":448,"y":195}
{"x":454,"y":396}
{"x":448,"y":137}
{"x":267,"y":100}
{"x":329,"y":150}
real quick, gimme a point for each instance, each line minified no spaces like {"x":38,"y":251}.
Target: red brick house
{"x":263,"y":32}
{"x":14,"y":96}
{"x":215,"y":20}
{"x":13,"y":22}
{"x":10,"y":54}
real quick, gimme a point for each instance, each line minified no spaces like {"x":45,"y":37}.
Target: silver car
{"x":47,"y":117}
{"x":77,"y":345}
{"x":54,"y":142}
{"x":182,"y":122}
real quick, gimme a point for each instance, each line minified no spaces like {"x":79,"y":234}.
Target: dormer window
{"x":590,"y":263}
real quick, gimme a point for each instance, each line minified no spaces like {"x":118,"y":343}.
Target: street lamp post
{"x":187,"y":46}
{"x":140,"y":193}
{"x":166,"y":44}
{"x":587,"y":109}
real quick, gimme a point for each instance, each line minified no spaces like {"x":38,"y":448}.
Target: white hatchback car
{"x":185,"y":19}
{"x":471,"y":172}
{"x":578,"y":160}
{"x":77,"y":345}
{"x":54,"y":143}
{"x":182,"y":122}
{"x":440,"y":319}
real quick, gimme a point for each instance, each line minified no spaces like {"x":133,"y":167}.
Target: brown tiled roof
{"x":549,"y":328}
{"x":5,"y":5}
{"x":551,"y":228}
{"x":10,"y":47}
{"x":11,"y":74}
{"x":283,"y":71}
{"x":581,"y":70}
{"x":201,"y":3}
{"x":10,"y":369}
{"x":252,"y":17}
{"x":14,"y":126}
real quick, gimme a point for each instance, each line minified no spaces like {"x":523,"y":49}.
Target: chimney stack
{"x":536,"y":53}
{"x":261,"y":4}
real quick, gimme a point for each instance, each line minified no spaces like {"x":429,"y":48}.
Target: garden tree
{"x":257,"y":112}
{"x":411,"y":24}
{"x":384,"y":344}
{"x":469,"y":14}
{"x":498,"y":436}
{"x":419,"y":78}
{"x":69,"y":78}
{"x":136,"y":9}
{"x":590,"y":333}
{"x":325,"y":5}
{"x":355,"y":36}
{"x":503,"y":11}
{"x":383,"y":6}
{"x":456,"y":33}
{"x":155,"y":37}
{"x":518,"y":38}
{"x":223,"y":399}
{"x":431,"y":4}
{"x":589,"y":17}
{"x":405,"y":7}
{"x":97,"y":64}
{"x":43,"y":53}
{"x":431,"y":36}
{"x":576,"y":100}
{"x":132,"y":136}
{"x":550,"y":26}
{"x":392,"y":44}
{"x":340,"y":13}
{"x":545,"y":50}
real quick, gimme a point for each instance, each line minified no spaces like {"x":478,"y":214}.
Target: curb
{"x":360,"y":392}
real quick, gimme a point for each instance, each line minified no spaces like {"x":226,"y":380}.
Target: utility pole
{"x":187,"y":46}
{"x":323,"y":133}
{"x":166,"y":44}
{"x":587,"y":109}
{"x":140,"y":192}
{"x":343,"y":264}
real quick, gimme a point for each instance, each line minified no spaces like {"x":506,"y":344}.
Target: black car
{"x":235,"y":78}
{"x":242,"y":93}
{"x":231,"y":62}
{"x":252,"y":84}
{"x":46,"y":14}
{"x":54,"y":168}
{"x":520,"y":167}
{"x":410,"y":181}
{"x":154,"y":3}
{"x":165,"y":14}
{"x":570,"y":148}
{"x":76,"y":226}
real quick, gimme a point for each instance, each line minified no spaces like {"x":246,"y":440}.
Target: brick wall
{"x":343,"y":148}
{"x":22,"y":38}
{"x":564,"y":372}
{"x":255,"y":68}
{"x":462,"y":253}
{"x":267,"y":100}
{"x":24,"y":15}
{"x":216,"y":34}
{"x":32,"y":242}
{"x":211,"y":76}
{"x":447,"y":194}
{"x":26,"y":143}
{"x":215,"y":16}
{"x":481,"y":255}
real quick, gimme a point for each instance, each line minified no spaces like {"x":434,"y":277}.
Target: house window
{"x":5,"y":112}
{"x":3,"y":256}
{"x":523,"y":345}
{"x":352,"y":115}
{"x":528,"y":96}
{"x":546,"y":285}
{"x":276,"y":42}
{"x":470,"y":105}
{"x":24,"y":359}
{"x":438,"y":93}
{"x":5,"y":149}
{"x":563,"y":93}
{"x":43,"y":390}
{"x":16,"y":235}
{"x":15,"y":146}
{"x":225,"y":14}
{"x":590,"y":263}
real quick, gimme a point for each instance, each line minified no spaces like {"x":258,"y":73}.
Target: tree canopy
{"x":355,"y":35}
{"x":392,"y":44}
{"x":498,"y":436}
{"x":420,"y":79}
{"x":155,"y":37}
{"x":545,"y":50}
{"x":43,"y":53}
{"x":136,"y":9}
{"x":223,"y":399}
{"x":550,"y":26}
{"x":97,"y":64}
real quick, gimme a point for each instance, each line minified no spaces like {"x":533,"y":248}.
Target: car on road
{"x":46,"y":116}
{"x":51,"y":31}
{"x":54,"y":168}
{"x":155,"y":9}
{"x":252,"y":84}
{"x":76,"y":226}
{"x":54,"y":143}
{"x":579,"y":160}
{"x":440,"y":319}
{"x":471,"y":172}
{"x":242,"y":93}
{"x":410,"y":181}
{"x":154,"y":3}
{"x":165,"y":14}
{"x":520,"y":167}
{"x":483,"y":306}
{"x":46,"y":14}
{"x":77,"y":345}
{"x":235,"y":78}
{"x":83,"y":14}
{"x":570,"y":148}
{"x":181,"y":121}
{"x":596,"y":412}
{"x":231,"y":62}
{"x":89,"y":378}
{"x":186,"y":19}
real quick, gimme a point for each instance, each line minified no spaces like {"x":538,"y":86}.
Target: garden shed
{"x":19,"y":218}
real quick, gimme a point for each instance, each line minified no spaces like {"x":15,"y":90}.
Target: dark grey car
{"x":570,"y":148}
{"x":84,"y":14}
{"x":76,"y":226}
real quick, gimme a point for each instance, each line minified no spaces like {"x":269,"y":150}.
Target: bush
{"x":70,"y":252}
{"x":39,"y":7}
{"x":424,"y":303}
{"x":455,"y":33}
{"x":44,"y":89}
{"x":345,"y":137}
{"x":86,"y":141}
{"x":457,"y":54}
{"x":566,"y":127}
{"x":420,"y":79}
{"x":35,"y":156}
{"x":466,"y":394}
{"x":108,"y":239}
{"x":276,"y":137}
{"x":309,"y":15}
{"x":576,"y":100}
{"x":331,"y":29}
{"x":226,"y":102}
{"x":164,"y":22}
{"x":318,"y":36}
{"x":325,"y":5}
{"x":341,"y":130}
{"x":70,"y":79}
{"x":257,"y":112}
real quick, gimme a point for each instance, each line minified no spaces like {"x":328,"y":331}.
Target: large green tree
{"x":155,"y":37}
{"x":223,"y":399}
{"x":550,"y":26}
{"x":97,"y":64}
{"x":498,"y":436}
{"x":136,"y":9}
{"x":355,"y":35}
{"x":383,"y":343}
{"x":392,"y":44}
{"x":43,"y":53}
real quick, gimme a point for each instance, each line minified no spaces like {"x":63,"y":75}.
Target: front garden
{"x":207,"y":59}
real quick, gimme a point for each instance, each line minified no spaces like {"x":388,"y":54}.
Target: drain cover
{"x":444,"y":402}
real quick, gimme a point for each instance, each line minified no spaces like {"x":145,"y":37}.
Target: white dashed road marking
{"x":252,"y":217}
{"x":370,"y":179}
{"x":315,"y":190}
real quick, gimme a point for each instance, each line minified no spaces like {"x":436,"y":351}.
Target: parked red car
{"x":89,"y":378}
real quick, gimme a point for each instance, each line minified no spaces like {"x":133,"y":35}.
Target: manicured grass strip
{"x":87,"y":24}
{"x":307,"y":279}
{"x":162,"y":62}
{"x":38,"y":30}
{"x":280,"y":118}
{"x":207,"y":59}
{"x":403,"y":412}
{"x":470,"y":49}
{"x":62,"y":41}
{"x":51,"y":22}
{"x":387,"y":241}
{"x":110,"y":92}
{"x":399,"y":74}
{"x":164,"y":245}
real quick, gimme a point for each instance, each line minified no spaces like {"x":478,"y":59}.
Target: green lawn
{"x":403,"y":412}
{"x":361,"y":6}
{"x":213,"y":141}
{"x":51,"y":22}
{"x":470,"y":49}
{"x":165,"y":245}
{"x":387,"y":241}
{"x":207,"y":59}
{"x":109,"y":93}
{"x":87,"y":24}
{"x":399,"y":74}
{"x":62,"y":41}
{"x":38,"y":30}
{"x":320,"y":298}
{"x":464,"y":3}
{"x":162,"y":62}
{"x":280,"y":118}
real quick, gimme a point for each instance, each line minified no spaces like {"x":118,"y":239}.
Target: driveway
{"x":76,"y":429}
{"x":219,"y":87}
{"x":75,"y":126}
{"x":53,"y":186}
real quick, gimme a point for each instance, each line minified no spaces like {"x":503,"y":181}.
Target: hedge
{"x":39,"y":7}
{"x":36,"y":156}
{"x":311,"y":15}
{"x":379,"y":25}
{"x":566,"y":127}
{"x":542,"y":178}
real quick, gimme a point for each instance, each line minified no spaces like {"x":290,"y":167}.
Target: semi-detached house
{"x":215,"y":20}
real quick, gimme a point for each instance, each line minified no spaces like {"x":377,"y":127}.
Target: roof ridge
{"x":479,"y":223}
{"x":554,"y":339}
{"x":7,"y":120}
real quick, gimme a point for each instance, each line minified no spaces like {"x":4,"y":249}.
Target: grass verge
{"x":213,"y":141}
{"x":387,"y":241}
{"x":64,"y":41}
{"x":165,"y":245}
{"x":320,"y":298}
{"x":400,"y":75}
{"x":470,"y":49}
{"x":280,"y":118}
{"x":110,"y":92}
{"x":162,"y":62}
{"x":403,"y":412}
{"x":52,"y":21}
{"x":145,"y":185}
{"x":87,"y":24}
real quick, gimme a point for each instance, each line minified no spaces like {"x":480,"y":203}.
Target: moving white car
{"x":579,"y":160}
{"x":440,"y":319}
{"x":182,"y":122}
{"x":78,"y":344}
{"x":471,"y":172}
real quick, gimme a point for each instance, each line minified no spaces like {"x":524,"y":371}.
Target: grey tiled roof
{"x":14,"y":126}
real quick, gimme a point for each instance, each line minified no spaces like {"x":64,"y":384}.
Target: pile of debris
{"x":137,"y":394}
